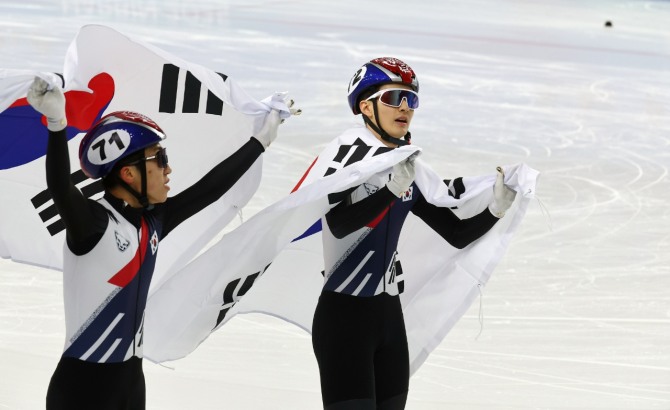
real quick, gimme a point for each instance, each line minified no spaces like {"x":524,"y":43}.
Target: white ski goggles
{"x":393,"y":97}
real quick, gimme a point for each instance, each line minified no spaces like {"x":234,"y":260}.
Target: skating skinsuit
{"x":109,"y":260}
{"x":358,"y":330}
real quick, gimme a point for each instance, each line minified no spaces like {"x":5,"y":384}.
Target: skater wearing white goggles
{"x":358,"y":332}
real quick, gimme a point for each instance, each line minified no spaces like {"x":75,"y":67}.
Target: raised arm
{"x":211,"y":186}
{"x":222,"y":177}
{"x":74,"y":208}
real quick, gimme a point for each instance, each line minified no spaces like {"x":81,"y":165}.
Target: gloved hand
{"x":403,"y":176}
{"x":48,"y":101}
{"x":293,"y":110}
{"x":268,"y":131}
{"x":503,"y":197}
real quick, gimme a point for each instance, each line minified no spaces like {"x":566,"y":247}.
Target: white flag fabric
{"x":205,"y":114}
{"x":272,"y":263}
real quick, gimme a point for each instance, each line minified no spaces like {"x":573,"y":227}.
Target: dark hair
{"x":365,"y":94}
{"x":112,"y":179}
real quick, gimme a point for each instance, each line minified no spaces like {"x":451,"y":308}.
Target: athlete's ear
{"x":128,"y":174}
{"x":366,"y":108}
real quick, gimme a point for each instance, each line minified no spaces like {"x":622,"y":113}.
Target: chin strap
{"x":141,"y":197}
{"x":379,"y":130}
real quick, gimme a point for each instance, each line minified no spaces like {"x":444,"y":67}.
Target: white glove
{"x":503,"y":197}
{"x":293,"y":110}
{"x":403,"y":175}
{"x":268,"y":131}
{"x":48,"y":101}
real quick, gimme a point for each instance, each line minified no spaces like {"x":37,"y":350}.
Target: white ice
{"x":578,"y":314}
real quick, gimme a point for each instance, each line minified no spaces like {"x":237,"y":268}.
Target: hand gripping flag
{"x":205,"y":115}
{"x":272,"y":263}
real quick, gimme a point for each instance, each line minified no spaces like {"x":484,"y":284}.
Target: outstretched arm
{"x":462,"y":232}
{"x":223,"y":176}
{"x":458,"y":232}
{"x":210,"y":187}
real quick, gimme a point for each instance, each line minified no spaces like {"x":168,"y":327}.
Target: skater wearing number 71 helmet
{"x":112,"y":243}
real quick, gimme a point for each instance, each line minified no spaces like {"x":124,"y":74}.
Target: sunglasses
{"x":393,"y":97}
{"x":160,"y":157}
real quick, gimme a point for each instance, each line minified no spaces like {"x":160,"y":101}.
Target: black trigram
{"x":192,"y":87}
{"x":396,"y":271}
{"x":456,"y":188}
{"x":231,"y":294}
{"x":358,"y":151}
{"x":352,"y":154}
{"x":50,"y":212}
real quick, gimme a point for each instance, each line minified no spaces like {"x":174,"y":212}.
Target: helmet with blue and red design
{"x":116,"y":136}
{"x":377,"y":72}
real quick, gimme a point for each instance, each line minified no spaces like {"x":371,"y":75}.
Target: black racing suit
{"x":358,"y":332}
{"x":101,"y":366}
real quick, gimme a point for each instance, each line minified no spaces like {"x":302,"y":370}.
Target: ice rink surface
{"x":577,"y":316}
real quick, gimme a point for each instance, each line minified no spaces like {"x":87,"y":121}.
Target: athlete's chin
{"x":399,"y":133}
{"x":161,"y":199}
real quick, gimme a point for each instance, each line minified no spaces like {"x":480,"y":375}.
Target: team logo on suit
{"x":121,"y":242}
